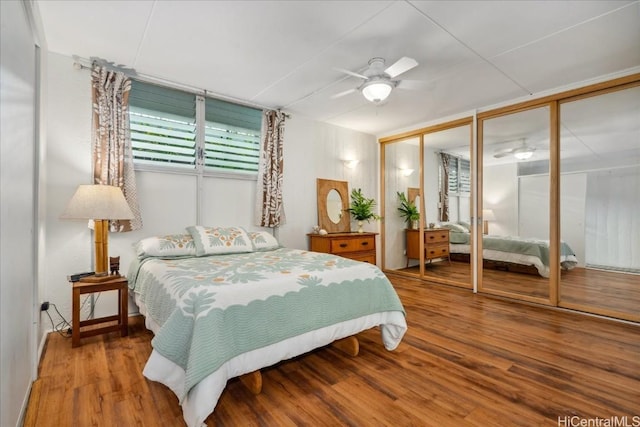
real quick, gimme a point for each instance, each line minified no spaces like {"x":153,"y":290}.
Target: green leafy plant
{"x":361,"y":208}
{"x":408,"y":210}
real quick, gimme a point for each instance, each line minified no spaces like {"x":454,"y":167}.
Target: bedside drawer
{"x":436,"y":236}
{"x":366,"y":243}
{"x":437,"y":251}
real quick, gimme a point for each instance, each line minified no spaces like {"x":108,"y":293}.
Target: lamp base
{"x":100,"y":279}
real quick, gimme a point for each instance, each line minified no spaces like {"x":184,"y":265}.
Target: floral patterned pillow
{"x":220,"y":240}
{"x":171,"y":245}
{"x":263,"y":240}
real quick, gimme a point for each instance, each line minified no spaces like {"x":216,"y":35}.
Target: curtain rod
{"x":86,"y":64}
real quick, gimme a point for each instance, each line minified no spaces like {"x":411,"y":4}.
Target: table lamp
{"x":100,"y":203}
{"x":487,"y":215}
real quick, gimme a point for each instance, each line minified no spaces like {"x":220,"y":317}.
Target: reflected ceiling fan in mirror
{"x":521,"y":151}
{"x":379,"y":81}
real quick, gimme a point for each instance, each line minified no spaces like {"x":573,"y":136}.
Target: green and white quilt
{"x":211,"y":309}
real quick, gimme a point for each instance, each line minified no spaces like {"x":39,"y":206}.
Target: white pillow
{"x":219,"y":240}
{"x":263,"y":240}
{"x":171,"y":245}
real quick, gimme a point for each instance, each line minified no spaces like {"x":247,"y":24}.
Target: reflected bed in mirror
{"x":333,"y":202}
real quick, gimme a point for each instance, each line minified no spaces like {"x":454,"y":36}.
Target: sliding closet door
{"x":401,"y":174}
{"x":447,"y":196}
{"x":515,"y":205}
{"x":600,"y":201}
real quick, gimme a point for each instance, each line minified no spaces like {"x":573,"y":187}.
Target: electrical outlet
{"x":44,"y":306}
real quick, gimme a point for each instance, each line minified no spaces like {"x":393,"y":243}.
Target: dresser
{"x":436,"y":244}
{"x":356,"y":246}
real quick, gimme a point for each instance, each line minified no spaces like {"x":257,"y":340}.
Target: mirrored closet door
{"x":429,"y":175}
{"x":600,"y":201}
{"x":515,"y":205}
{"x":447,"y":195}
{"x":401,"y":175}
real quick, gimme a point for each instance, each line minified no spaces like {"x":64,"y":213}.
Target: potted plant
{"x":408,"y":211}
{"x":361,"y":208}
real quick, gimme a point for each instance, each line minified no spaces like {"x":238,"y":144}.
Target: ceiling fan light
{"x":523,"y":155}
{"x":377,"y":91}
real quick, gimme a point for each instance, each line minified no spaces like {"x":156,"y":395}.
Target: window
{"x":459,"y":176}
{"x":165,"y":131}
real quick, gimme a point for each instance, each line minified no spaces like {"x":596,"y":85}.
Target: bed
{"x":223,"y":302}
{"x":512,"y":253}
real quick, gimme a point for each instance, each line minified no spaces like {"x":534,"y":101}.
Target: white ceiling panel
{"x":241,"y":48}
{"x":111,"y":30}
{"x":593,"y":48}
{"x":505,"y":25}
{"x":274,"y":54}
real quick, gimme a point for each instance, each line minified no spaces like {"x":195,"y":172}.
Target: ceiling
{"x":284,"y":54}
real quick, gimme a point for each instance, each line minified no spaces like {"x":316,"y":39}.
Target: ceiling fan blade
{"x":412,"y":84}
{"x":351,"y":73}
{"x":401,"y":65}
{"x":501,"y":153}
{"x":346,"y":92}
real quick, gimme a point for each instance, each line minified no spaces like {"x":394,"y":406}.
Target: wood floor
{"x":466,"y":360}
{"x":604,"y":292}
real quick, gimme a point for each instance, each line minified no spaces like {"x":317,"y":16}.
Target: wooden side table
{"x":119,"y":284}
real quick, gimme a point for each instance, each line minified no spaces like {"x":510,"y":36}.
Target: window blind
{"x":459,"y":175}
{"x":163,"y":125}
{"x":231,"y":136}
{"x":164,"y":131}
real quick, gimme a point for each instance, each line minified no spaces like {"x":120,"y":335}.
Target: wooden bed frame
{"x":253,"y":380}
{"x":498,"y":265}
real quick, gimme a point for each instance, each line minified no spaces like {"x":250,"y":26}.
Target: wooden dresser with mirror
{"x":334,"y":218}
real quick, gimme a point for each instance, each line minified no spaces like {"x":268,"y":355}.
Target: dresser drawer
{"x":370,"y":258}
{"x":437,"y":251}
{"x":436,"y":236}
{"x":366,"y":243}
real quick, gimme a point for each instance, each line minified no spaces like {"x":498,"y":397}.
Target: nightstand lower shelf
{"x":119,"y":284}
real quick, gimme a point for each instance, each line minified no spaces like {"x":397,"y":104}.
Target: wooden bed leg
{"x":349,"y":345}
{"x":252,"y":381}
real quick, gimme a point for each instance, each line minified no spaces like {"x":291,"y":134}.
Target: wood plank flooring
{"x":604,"y":292}
{"x":466,"y":360}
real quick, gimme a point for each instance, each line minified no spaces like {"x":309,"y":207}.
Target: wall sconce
{"x":487,"y":215}
{"x":351,"y":164}
{"x":406,"y":171}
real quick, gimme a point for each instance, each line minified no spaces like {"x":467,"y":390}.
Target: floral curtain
{"x":269,"y":206}
{"x":444,"y":188}
{"x":112,"y":154}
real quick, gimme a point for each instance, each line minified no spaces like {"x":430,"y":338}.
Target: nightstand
{"x":119,"y":284}
{"x":436,"y":244}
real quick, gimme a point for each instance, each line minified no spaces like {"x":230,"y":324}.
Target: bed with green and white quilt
{"x":510,"y":249}
{"x":224,"y":302}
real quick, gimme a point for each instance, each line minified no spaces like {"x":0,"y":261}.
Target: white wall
{"x":17,"y":212}
{"x":500,"y":191}
{"x":168,"y":201}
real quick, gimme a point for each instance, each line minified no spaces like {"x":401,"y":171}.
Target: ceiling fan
{"x":522,"y":151}
{"x":378,"y":80}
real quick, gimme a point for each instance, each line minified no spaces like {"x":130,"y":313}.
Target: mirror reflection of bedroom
{"x":591,"y":209}
{"x":447,"y":149}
